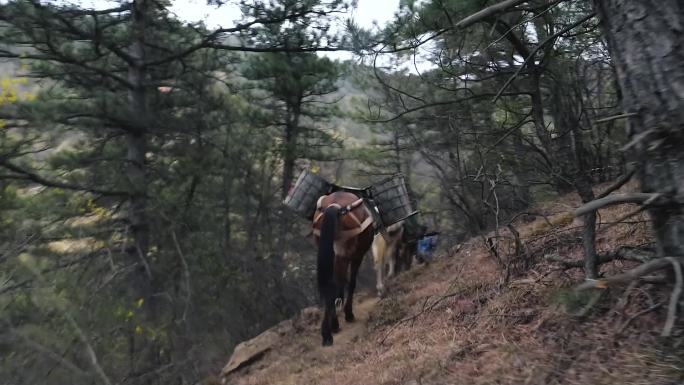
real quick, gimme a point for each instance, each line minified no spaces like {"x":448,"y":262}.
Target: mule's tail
{"x":326,"y":250}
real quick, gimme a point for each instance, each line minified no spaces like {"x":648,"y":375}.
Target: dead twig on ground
{"x":623,"y":218}
{"x":532,"y":214}
{"x":624,"y":299}
{"x":455,"y":250}
{"x":637,"y":315}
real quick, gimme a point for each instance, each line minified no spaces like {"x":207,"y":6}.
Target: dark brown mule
{"x":343,"y":233}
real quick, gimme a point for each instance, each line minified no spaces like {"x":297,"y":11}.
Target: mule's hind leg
{"x":341,"y":268}
{"x":379,"y":273}
{"x":339,"y":297}
{"x":348,"y":311}
{"x":378,"y":250}
{"x":392,"y":259}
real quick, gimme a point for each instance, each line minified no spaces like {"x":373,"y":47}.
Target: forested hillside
{"x":457,"y":322}
{"x":144,"y":160}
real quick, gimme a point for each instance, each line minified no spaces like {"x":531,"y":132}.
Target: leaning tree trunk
{"x":646,"y":40}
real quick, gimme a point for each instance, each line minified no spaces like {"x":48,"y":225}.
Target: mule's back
{"x":354,"y":230}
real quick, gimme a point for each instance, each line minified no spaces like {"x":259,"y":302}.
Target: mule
{"x":408,"y":247}
{"x":385,"y":251}
{"x":343,"y":233}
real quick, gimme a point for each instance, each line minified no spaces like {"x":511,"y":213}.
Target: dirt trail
{"x":296,"y":345}
{"x":350,"y":331}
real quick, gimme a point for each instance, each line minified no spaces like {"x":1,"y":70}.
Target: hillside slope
{"x":458,"y":322}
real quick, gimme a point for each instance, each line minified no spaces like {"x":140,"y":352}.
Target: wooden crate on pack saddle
{"x":392,"y":200}
{"x":304,"y":194}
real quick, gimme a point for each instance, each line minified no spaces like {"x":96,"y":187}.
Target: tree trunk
{"x":143,"y":355}
{"x":226,"y":238}
{"x":136,"y":139}
{"x":290,"y":145}
{"x":574,"y":158}
{"x":521,"y":176}
{"x":646,"y":40}
{"x":548,"y":149}
{"x":288,"y":164}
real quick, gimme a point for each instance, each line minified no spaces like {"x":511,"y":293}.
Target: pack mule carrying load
{"x":387,"y":200}
{"x":304,"y":194}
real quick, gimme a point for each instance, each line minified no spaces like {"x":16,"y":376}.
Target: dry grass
{"x":454,"y":322}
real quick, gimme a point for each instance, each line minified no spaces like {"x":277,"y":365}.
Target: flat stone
{"x":250,"y":351}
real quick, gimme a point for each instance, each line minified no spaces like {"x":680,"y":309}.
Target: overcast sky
{"x":367,"y":11}
{"x":195,"y":10}
{"x":365,"y":14}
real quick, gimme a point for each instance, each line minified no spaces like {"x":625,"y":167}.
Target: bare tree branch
{"x":617,"y":199}
{"x":618,"y":183}
{"x":463,"y":23}
{"x":538,"y":47}
{"x":615,"y":117}
{"x":637,"y":272}
{"x":624,"y":253}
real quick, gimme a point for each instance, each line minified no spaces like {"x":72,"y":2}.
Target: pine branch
{"x":33,"y":177}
